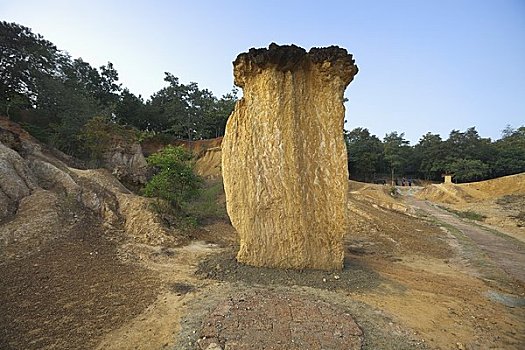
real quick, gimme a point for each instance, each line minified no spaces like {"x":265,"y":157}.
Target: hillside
{"x":475,"y":191}
{"x":43,"y":196}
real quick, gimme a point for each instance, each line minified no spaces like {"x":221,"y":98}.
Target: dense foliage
{"x":465,"y":154}
{"x":99,"y":134}
{"x":174,"y":180}
{"x":54,"y":96}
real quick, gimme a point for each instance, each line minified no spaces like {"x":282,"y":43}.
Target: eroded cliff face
{"x":43,"y":197}
{"x":126,"y":161}
{"x":284,"y":159}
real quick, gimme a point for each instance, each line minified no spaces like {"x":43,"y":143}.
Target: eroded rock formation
{"x":126,"y":161}
{"x":284,"y":159}
{"x":43,"y":197}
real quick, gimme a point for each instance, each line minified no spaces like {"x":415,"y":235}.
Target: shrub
{"x":393,"y":191}
{"x":469,"y":214}
{"x":174,"y":180}
{"x":99,"y":134}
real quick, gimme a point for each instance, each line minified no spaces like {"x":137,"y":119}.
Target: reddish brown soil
{"x":69,"y":293}
{"x":269,"y":320}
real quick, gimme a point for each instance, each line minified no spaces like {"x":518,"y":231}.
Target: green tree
{"x":467,"y":153}
{"x":60,"y":112}
{"x":467,"y":170}
{"x":24,"y":58}
{"x":468,"y":145}
{"x":57,"y":94}
{"x":200,"y":106}
{"x":510,"y":152}
{"x":175,"y":180}
{"x":364,"y":154}
{"x":430,"y":154}
{"x":188,"y":112}
{"x":215,"y":120}
{"x":99,"y":134}
{"x":166,"y":110}
{"x":108,"y":88}
{"x":396,"y":152}
{"x":130,"y":110}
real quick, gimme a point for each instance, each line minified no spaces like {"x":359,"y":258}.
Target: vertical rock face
{"x":126,"y":161}
{"x":284,"y":159}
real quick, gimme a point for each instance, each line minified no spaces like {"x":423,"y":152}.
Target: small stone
{"x":336,"y":277}
{"x":460,"y":346}
{"x":324,"y":279}
{"x":214,"y":346}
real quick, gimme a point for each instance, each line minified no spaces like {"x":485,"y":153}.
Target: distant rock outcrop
{"x":126,"y":161}
{"x":284,"y":160}
{"x":208,"y":164}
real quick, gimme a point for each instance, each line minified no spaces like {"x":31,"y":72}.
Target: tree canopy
{"x":465,"y":154}
{"x":54,"y":96}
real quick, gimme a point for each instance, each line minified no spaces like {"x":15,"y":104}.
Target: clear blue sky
{"x":424,"y":65}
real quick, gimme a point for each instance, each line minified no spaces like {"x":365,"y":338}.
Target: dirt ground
{"x":70,"y":293}
{"x":499,"y":202}
{"x":411,"y":281}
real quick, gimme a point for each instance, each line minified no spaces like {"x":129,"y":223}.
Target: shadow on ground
{"x":354,"y":277}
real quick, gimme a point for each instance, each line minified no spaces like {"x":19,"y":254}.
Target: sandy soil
{"x":411,"y":281}
{"x":500,"y":202}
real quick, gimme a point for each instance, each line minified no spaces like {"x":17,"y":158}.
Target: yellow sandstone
{"x":284,"y":160}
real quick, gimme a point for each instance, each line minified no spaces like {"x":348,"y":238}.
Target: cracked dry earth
{"x":408,"y":283}
{"x":272,"y":320}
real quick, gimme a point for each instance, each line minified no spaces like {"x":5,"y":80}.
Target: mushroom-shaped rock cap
{"x":288,"y":58}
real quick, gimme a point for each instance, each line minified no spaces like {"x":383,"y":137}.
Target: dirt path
{"x":506,"y":252}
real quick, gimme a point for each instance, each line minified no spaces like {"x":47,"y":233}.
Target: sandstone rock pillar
{"x":284,"y":160}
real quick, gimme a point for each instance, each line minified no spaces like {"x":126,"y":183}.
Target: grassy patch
{"x":469,"y":214}
{"x":514,"y":203}
{"x":173,"y":217}
{"x":208,"y":206}
{"x":511,"y":199}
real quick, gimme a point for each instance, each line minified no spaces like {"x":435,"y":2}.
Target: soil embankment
{"x":498,"y":202}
